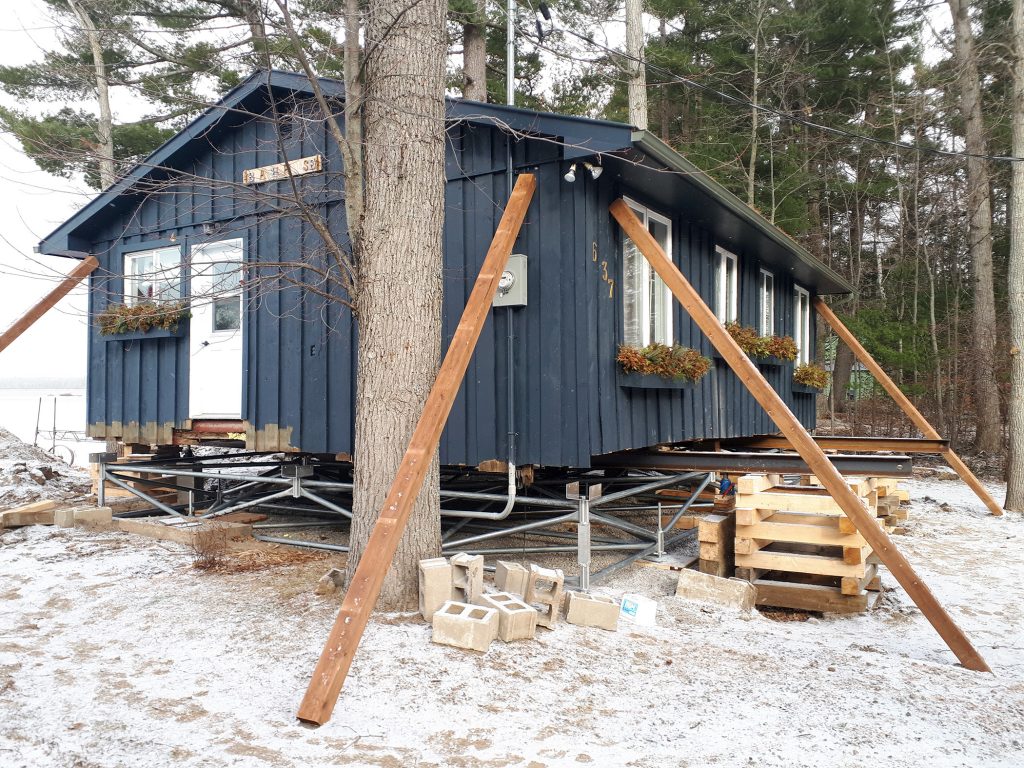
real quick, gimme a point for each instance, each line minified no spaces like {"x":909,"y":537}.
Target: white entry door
{"x":215,"y":378}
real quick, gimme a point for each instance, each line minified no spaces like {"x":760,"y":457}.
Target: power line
{"x":794,"y":118}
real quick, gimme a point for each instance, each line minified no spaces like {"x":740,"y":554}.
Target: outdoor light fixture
{"x":571,"y":175}
{"x":595,"y":170}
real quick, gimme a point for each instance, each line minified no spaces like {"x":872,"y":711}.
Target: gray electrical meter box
{"x":512,"y":285}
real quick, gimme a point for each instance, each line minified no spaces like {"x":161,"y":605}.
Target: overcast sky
{"x":32,"y":204}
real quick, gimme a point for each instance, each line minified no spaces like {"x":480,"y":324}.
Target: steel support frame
{"x":627,"y":496}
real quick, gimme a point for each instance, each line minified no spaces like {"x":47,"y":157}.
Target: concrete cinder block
{"x":516,"y":619}
{"x":544,"y":589}
{"x":592,"y":611}
{"x":465,"y":626}
{"x":467,"y":577}
{"x":93,"y":517}
{"x":64,"y":517}
{"x":435,"y":585}
{"x":738,"y":593}
{"x":510,"y":577}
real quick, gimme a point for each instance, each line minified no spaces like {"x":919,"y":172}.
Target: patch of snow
{"x":30,"y":474}
{"x":114,"y":652}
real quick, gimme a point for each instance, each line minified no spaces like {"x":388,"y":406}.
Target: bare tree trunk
{"x":105,"y":125}
{"x":986,"y":394}
{"x":1015,"y":416}
{"x":474,"y":54}
{"x":637,"y":86}
{"x":253,"y":12}
{"x":398,"y":303}
{"x":841,"y":375}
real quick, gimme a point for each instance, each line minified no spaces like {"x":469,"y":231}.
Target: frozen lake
{"x":63,"y":407}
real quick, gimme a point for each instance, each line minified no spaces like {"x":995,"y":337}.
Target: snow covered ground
{"x":115,"y":652}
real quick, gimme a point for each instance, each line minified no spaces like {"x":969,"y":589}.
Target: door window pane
{"x":227,"y":314}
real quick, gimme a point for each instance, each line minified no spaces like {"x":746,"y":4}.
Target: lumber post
{"x":802,"y":441}
{"x":904,"y":403}
{"x":364,"y":587}
{"x":47,"y":303}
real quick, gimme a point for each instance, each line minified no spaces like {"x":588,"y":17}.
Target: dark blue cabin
{"x":273,"y":358}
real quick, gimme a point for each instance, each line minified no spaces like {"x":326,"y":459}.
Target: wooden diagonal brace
{"x":47,"y":303}
{"x":364,"y":588}
{"x":904,"y":403}
{"x":804,"y":444}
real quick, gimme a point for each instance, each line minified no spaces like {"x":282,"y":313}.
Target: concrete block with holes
{"x":516,"y":619}
{"x":435,"y":585}
{"x":467,"y":577}
{"x":586,"y":610}
{"x":465,"y":626}
{"x":544,"y":591}
{"x":510,"y":577}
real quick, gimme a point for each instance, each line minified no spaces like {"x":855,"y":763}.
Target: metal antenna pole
{"x":510,"y":53}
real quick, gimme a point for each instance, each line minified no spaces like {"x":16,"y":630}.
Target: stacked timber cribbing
{"x":795,"y":544}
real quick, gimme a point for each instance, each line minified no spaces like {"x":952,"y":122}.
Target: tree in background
{"x":1015,"y":293}
{"x":169,"y":57}
{"x":986,"y":395}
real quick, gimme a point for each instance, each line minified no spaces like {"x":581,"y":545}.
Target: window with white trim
{"x":802,"y":323}
{"x":726,"y":282}
{"x":767,"y":303}
{"x":646,"y":300}
{"x":152,"y":276}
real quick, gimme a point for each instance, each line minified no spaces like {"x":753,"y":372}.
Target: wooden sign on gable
{"x":278,"y":171}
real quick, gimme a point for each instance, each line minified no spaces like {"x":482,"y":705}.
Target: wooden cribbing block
{"x":716,"y":535}
{"x":808,"y":597}
{"x":856,"y":555}
{"x":749,"y":574}
{"x":855,"y":585}
{"x":802,"y":532}
{"x":37,"y":513}
{"x":748,"y":484}
{"x":798,"y":562}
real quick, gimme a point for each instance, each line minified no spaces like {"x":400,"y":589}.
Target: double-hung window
{"x":802,"y":323}
{"x":646,"y":300}
{"x":767,"y":303}
{"x":152,"y":276}
{"x":726,"y":303}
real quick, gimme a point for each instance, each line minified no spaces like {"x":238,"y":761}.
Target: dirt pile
{"x":29,"y":474}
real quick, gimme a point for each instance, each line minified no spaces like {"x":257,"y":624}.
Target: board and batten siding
{"x":299,"y":350}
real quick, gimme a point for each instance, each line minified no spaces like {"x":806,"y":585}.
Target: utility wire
{"x":741,"y":102}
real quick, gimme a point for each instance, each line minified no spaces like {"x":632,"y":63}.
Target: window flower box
{"x":803,"y":389}
{"x":634,"y":380}
{"x":143,"y":320}
{"x":658,"y":366}
{"x":153,"y":333}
